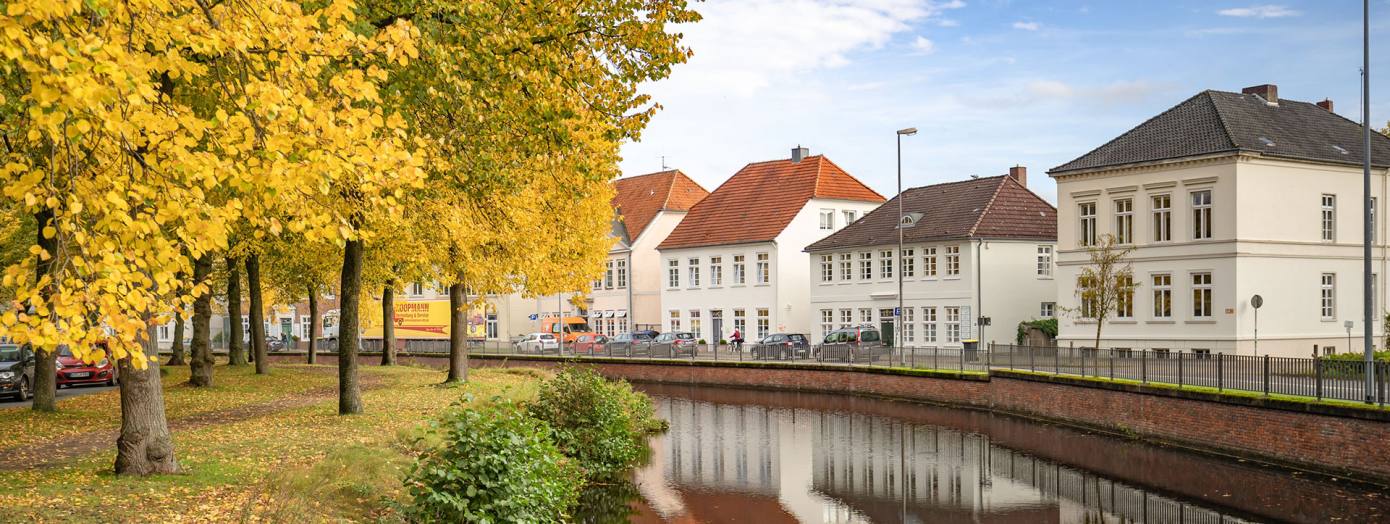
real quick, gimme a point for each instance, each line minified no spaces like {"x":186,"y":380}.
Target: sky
{"x":989,"y":84}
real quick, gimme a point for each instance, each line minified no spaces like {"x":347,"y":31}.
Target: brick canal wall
{"x":1338,"y":440}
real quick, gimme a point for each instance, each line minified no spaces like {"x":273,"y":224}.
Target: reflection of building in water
{"x":721,"y":447}
{"x":839,"y":467}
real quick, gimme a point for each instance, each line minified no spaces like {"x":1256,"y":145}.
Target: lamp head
{"x":907,"y":132}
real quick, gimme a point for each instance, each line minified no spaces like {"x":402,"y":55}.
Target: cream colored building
{"x":1224,"y":197}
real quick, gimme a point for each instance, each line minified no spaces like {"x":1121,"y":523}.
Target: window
{"x":675,"y":320}
{"x":716,"y":271}
{"x":827,"y":219}
{"x":1163,"y":296}
{"x":1048,"y":310}
{"x":1374,"y":229}
{"x":929,"y":262}
{"x":929,"y":324}
{"x":1163,"y":218}
{"x":693,"y":271}
{"x":1329,"y":296}
{"x":762,"y":322}
{"x":764,"y":269}
{"x":850,"y":216}
{"x":827,"y":321}
{"x":846,"y":266}
{"x":909,"y":263}
{"x":608,"y":275}
{"x":866,"y":315}
{"x":885,"y":264}
{"x":1087,"y":212}
{"x":952,"y":260}
{"x":1124,"y":221}
{"x":1045,"y":261}
{"x":738,"y":270}
{"x":1201,"y":214}
{"x":1088,"y":297}
{"x":598,"y":283}
{"x":673,"y":273}
{"x":846,"y":317}
{"x":827,"y":268}
{"x":695,"y":322}
{"x":1201,"y":295}
{"x":909,"y":325}
{"x":866,"y":266}
{"x":952,"y":324}
{"x":622,"y":274}
{"x":492,"y":327}
{"x":739,"y":322}
{"x":417,"y":289}
{"x":1124,"y":301}
{"x":1329,"y":218}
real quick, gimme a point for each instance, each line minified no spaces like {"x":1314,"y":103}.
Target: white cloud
{"x":1026,"y":26}
{"x":866,"y":86}
{"x":1259,"y":11}
{"x":923,"y":46}
{"x":1116,"y":93}
{"x":743,"y":46}
{"x":947,"y":22}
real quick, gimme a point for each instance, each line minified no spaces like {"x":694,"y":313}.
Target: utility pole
{"x":898,"y":318}
{"x":1368,"y":292}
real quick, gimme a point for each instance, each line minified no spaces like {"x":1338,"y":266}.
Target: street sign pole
{"x":1255,"y":302}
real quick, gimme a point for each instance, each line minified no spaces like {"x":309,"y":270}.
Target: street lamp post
{"x":1368,"y":226}
{"x":899,"y":316}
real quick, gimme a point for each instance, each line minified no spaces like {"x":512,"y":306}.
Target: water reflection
{"x":746,"y":456}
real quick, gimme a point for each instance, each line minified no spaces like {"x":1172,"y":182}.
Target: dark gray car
{"x":857,"y":344}
{"x":674,"y":344}
{"x":16,"y":372}
{"x":629,"y":344}
{"x":782,"y":346}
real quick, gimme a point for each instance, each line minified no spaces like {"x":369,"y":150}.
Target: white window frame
{"x":952,"y":324}
{"x":885,"y":264}
{"x":764,"y":323}
{"x":1044,"y":268}
{"x":866,"y":265}
{"x":1124,"y":300}
{"x":695,"y":324}
{"x":866,"y":315}
{"x":929,"y":262}
{"x":716,"y":271}
{"x":850,"y":216}
{"x":1201,"y":214}
{"x":739,"y":322}
{"x":1124,"y":220}
{"x":622,"y":273}
{"x":673,"y":273}
{"x":1162,"y":295}
{"x":740,"y":275}
{"x":827,"y":321}
{"x":909,"y":262}
{"x":1329,"y":217}
{"x":827,"y":219}
{"x":1328,"y":296}
{"x":1202,"y":295}
{"x":674,"y":317}
{"x":692,"y":270}
{"x":1162,"y":217}
{"x":608,"y":275}
{"x":909,"y":325}
{"x":952,"y":261}
{"x":846,"y":266}
{"x":1047,"y":310}
{"x":827,"y":268}
{"x":764,"y":268}
{"x":1086,"y":212}
{"x":929,"y":324}
{"x":846,"y":317}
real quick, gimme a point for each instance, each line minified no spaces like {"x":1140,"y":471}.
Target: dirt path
{"x":66,"y":449}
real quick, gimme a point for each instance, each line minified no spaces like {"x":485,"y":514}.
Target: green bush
{"x":495,"y":464}
{"x":1358,"y":356}
{"x":600,"y":423}
{"x":1047,"y":325}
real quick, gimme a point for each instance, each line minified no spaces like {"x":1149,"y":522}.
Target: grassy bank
{"x":300,"y":463}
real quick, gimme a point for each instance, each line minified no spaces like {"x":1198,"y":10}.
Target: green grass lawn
{"x":303,"y":464}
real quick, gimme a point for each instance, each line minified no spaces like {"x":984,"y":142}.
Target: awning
{"x":607,"y":314}
{"x":621,"y":313}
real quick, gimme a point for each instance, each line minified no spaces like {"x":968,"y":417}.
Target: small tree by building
{"x":1105,"y":286}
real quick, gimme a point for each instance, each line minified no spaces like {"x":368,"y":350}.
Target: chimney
{"x":1019,"y":173}
{"x":1326,"y":103}
{"x":799,"y":153}
{"x":1269,"y":92}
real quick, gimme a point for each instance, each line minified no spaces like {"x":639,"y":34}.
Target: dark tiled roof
{"x":989,"y":208}
{"x":758,"y":202}
{"x":640,"y":198}
{"x":1221,"y":122}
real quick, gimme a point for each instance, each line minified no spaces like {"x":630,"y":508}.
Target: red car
{"x":74,"y":372}
{"x":590,"y":344}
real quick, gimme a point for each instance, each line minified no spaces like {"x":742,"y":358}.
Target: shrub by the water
{"x":602,"y":424}
{"x":495,"y":464}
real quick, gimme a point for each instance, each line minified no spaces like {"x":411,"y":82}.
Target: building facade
{"x":737,"y":261}
{"x":977,"y":259}
{"x":1221,"y":198}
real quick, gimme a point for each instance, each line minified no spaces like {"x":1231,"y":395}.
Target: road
{"x":62,"y":394}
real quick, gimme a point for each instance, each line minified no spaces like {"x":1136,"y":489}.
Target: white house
{"x":1224,"y":197}
{"x":737,"y":261}
{"x":972,"y":250}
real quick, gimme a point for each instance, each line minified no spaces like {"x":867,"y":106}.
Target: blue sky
{"x":989,"y":83}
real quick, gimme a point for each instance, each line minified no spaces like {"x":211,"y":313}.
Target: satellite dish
{"x":1257,"y":301}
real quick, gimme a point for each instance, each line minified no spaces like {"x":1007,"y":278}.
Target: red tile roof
{"x":989,"y":208}
{"x":639,"y":198}
{"x":758,"y":202}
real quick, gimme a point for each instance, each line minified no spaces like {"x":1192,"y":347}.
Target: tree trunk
{"x":145,"y":446}
{"x":176,"y":348}
{"x":253,"y":285}
{"x":388,"y":325}
{"x":313,"y":324}
{"x":236,"y":352}
{"x":350,"y":289}
{"x":1099,"y":322}
{"x":46,"y":365}
{"x":200,"y":362}
{"x":458,"y":337}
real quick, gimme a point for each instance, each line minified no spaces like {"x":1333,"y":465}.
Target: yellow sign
{"x":423,"y":320}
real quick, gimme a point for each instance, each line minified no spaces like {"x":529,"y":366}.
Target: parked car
{"x":673,"y":344}
{"x":591,"y":344}
{"x":634,"y":343}
{"x":782,"y":346}
{"x":538,"y":343}
{"x":73,"y":371}
{"x":274,"y":344}
{"x":16,"y":371}
{"x":860,"y":344}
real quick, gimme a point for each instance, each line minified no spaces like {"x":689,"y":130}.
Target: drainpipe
{"x":979,"y":296}
{"x":631,"y":277}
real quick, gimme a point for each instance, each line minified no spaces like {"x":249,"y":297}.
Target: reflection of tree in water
{"x":609,"y":501}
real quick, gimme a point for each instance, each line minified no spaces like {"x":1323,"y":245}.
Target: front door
{"x":886,"y":323}
{"x":718,"y":325}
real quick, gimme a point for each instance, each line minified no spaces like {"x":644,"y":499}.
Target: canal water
{"x":735,"y":455}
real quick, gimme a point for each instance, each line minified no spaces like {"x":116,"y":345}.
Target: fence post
{"x":1057,"y":359}
{"x":961,"y":360}
{"x":1380,"y":376}
{"x":1112,"y":363}
{"x":1144,"y":366}
{"x":1011,"y":356}
{"x":1219,"y":372}
{"x":1179,"y":369}
{"x":1266,"y":374}
{"x":1317,"y":376}
{"x":914,"y":358}
{"x":1032,"y":360}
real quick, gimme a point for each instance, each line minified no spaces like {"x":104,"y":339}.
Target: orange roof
{"x":639,"y":198}
{"x":758,"y":202}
